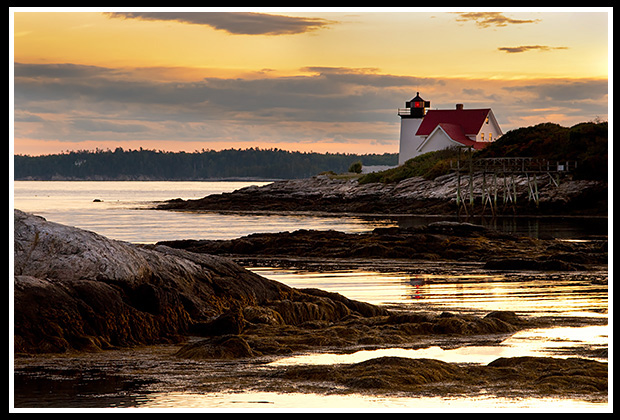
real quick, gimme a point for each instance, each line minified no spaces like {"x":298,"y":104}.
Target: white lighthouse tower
{"x":410,"y":119}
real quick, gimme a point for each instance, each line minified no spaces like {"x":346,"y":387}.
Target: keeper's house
{"x":423,"y":130}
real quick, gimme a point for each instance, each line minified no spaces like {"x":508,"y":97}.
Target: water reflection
{"x":535,"y":342}
{"x":271,"y":401}
{"x":570,"y":294}
{"x":541,"y":227}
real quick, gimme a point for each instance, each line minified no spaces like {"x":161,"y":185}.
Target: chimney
{"x":459,"y":106}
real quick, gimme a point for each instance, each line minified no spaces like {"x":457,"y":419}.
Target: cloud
{"x":333,"y":104}
{"x":524,"y":48}
{"x":481,"y":95}
{"x":25,"y":116}
{"x":569,"y":91}
{"x":238,"y":23}
{"x":86,"y":104}
{"x":92,"y":126}
{"x":348,"y":94}
{"x":64,"y":70}
{"x":369,"y":77}
{"x":565,"y":102}
{"x":487,"y":19}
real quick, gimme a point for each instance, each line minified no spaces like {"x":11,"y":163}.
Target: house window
{"x":481,"y":136}
{"x":490,"y":137}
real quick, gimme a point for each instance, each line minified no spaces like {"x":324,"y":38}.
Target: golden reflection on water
{"x":272,"y":401}
{"x":535,"y":342}
{"x":543,"y":294}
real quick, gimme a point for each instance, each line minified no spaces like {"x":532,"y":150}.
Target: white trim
{"x":491,"y":115}
{"x":427,"y":139}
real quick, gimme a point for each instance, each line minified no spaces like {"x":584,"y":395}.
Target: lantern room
{"x":415,"y":108}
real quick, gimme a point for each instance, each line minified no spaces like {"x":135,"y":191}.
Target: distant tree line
{"x":121,"y":164}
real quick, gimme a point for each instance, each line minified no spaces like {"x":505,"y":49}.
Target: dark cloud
{"x":332,"y":93}
{"x":76,"y":103}
{"x":62,"y":70}
{"x":472,"y":92}
{"x":240,"y":23}
{"x":588,"y":90}
{"x":90,"y":125}
{"x":370,"y":77}
{"x":487,"y":19}
{"x":481,"y":95}
{"x":524,"y":48}
{"x":21,"y":116}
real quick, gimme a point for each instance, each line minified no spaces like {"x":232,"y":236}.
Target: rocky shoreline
{"x":76,"y":291}
{"x":417,"y":195}
{"x":439,"y":241}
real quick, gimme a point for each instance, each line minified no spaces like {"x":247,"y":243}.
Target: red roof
{"x":456,"y":133}
{"x":469,"y":120}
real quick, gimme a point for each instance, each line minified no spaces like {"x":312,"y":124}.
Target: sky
{"x":321,"y":80}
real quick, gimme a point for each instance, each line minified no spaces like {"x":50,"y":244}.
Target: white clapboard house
{"x":425,"y":130}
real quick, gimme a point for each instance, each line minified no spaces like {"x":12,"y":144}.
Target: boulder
{"x":225,"y":347}
{"x":77,"y":290}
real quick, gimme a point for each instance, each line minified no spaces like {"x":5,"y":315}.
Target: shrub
{"x":356,"y":167}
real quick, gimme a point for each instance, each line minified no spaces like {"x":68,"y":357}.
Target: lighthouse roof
{"x":417,"y":98}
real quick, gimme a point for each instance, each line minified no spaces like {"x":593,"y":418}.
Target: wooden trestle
{"x":499,"y":179}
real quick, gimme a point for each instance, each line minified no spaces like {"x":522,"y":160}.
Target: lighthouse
{"x":410,"y":119}
{"x":423,"y":131}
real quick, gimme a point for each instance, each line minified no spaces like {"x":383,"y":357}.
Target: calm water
{"x":542,"y":294}
{"x":120,"y":213}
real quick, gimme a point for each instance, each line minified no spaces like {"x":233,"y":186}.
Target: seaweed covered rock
{"x":77,"y":290}
{"x":278,"y":335}
{"x":537,"y":375}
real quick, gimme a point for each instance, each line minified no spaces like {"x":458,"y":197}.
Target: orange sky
{"x":169,"y":79}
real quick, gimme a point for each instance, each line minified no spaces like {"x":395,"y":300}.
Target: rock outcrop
{"x":77,"y":290}
{"x":436,"y":241}
{"x":414,"y":195}
{"x":268,"y":338}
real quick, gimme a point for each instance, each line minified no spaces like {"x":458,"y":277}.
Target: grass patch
{"x":429,"y":165}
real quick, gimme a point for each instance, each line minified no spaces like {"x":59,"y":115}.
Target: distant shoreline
{"x":148,"y":179}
